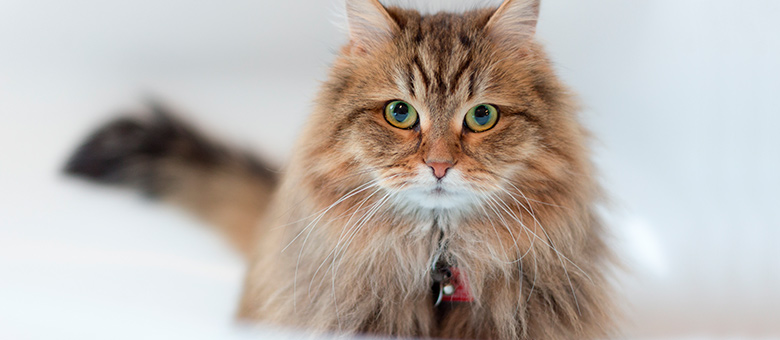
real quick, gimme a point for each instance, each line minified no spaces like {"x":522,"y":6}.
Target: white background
{"x":681,"y":95}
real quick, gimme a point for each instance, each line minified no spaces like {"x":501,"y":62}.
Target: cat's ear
{"x":369,"y":23}
{"x":514,"y":20}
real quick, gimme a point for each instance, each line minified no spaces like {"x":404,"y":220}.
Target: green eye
{"x":400,"y":114}
{"x":482,"y":117}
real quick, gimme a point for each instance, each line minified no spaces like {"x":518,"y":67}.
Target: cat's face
{"x":447,"y":111}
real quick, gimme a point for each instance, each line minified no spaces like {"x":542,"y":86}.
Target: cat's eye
{"x":482,"y":117}
{"x":400,"y":114}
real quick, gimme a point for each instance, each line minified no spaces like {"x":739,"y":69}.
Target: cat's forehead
{"x":441,"y":58}
{"x":442,"y":64}
{"x":443,"y":29}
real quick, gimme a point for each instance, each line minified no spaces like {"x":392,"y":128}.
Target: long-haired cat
{"x":442,"y":188}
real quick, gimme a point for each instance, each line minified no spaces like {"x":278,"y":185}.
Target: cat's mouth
{"x":426,"y":192}
{"x":438,"y":191}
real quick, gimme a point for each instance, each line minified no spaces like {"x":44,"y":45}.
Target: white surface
{"x":682,"y":96}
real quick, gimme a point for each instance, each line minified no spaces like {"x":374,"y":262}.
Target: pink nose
{"x":439,"y":168}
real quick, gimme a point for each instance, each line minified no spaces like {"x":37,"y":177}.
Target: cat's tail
{"x":168,"y":160}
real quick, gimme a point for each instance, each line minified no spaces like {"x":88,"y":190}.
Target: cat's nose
{"x":439,"y":168}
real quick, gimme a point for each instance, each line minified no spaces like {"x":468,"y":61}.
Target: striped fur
{"x":340,"y":254}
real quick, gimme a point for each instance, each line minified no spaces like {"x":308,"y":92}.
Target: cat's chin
{"x":437,"y":198}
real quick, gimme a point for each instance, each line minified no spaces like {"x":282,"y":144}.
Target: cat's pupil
{"x":400,"y":112}
{"x":482,"y":115}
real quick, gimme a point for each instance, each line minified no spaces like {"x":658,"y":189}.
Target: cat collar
{"x":450,"y":284}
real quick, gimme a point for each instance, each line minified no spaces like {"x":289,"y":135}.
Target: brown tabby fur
{"x":373,"y":276}
{"x":342,"y":249}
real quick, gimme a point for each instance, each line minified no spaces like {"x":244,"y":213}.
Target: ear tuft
{"x":515,"y":20}
{"x":369,"y":23}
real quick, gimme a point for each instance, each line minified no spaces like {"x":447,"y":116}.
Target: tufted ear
{"x":369,"y":23}
{"x":514,"y":20}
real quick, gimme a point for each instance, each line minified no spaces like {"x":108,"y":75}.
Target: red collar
{"x":451,"y":285}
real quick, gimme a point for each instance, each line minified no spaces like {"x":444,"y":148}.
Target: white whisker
{"x":313,"y":224}
{"x":558,"y":253}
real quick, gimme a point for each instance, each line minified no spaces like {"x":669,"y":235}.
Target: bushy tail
{"x":167,"y":159}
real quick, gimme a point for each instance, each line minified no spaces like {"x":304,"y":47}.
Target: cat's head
{"x":444,"y":111}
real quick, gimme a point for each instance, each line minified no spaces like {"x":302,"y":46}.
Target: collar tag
{"x":458,"y":288}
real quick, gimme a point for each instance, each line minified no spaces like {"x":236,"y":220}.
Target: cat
{"x":442,"y":187}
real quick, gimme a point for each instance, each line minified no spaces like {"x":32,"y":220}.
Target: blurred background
{"x":682,"y":96}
